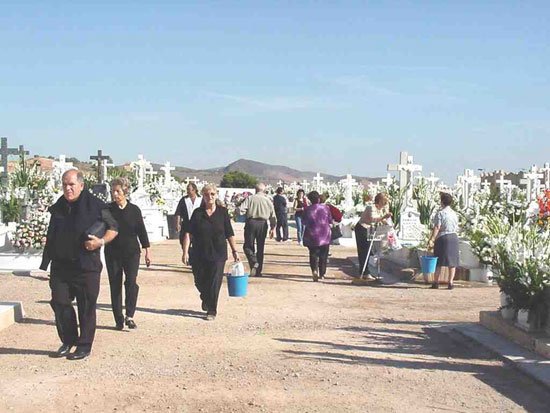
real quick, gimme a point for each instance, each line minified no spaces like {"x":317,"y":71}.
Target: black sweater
{"x":130,"y":228}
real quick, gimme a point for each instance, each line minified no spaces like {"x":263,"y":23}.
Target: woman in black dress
{"x":122,"y":255}
{"x":209,"y":228}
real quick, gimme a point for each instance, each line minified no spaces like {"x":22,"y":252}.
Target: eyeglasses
{"x":211,"y":193}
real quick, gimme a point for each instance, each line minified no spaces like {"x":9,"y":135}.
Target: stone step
{"x":538,"y":342}
{"x":10,"y":312}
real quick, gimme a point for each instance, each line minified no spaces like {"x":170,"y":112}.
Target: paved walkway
{"x":292,"y":345}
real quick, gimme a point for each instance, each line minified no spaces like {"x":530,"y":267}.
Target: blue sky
{"x":336,"y":87}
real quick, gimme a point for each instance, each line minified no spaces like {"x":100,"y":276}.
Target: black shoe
{"x":62,"y":351}
{"x":450,"y":286}
{"x":254,"y":270}
{"x":120,"y":326}
{"x":434,"y":286}
{"x":131,"y":323}
{"x":79,"y":354}
{"x":204,"y":306}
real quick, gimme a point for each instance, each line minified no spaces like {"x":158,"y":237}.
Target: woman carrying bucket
{"x":444,"y":240}
{"x":209,"y":228}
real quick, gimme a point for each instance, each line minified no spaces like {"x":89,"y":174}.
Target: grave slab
{"x":10,"y":312}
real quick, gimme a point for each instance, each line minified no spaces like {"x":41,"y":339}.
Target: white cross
{"x":280,"y":183}
{"x":61,"y":166}
{"x":140,"y":166}
{"x":486,"y":185}
{"x":432,"y":179}
{"x":167,"y":169}
{"x":194,"y":180}
{"x":406,"y":168}
{"x":348,"y":185}
{"x":469,"y":182}
{"x":388,"y":180}
{"x":305,"y":185}
{"x":104,"y":165}
{"x":532,"y":182}
{"x":317,"y":179}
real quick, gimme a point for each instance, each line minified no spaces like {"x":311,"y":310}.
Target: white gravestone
{"x":469,"y":184}
{"x":406,"y":168}
{"x":411,"y":229}
{"x":349,"y":183}
{"x":317,"y":182}
{"x":532,"y":182}
{"x":546,"y":171}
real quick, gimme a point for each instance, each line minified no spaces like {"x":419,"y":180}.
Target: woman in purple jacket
{"x":317,"y":220}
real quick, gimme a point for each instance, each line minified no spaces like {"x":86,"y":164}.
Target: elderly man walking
{"x":80,"y":225}
{"x":258,"y":210}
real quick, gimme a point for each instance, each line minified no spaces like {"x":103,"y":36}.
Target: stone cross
{"x":189,"y":180}
{"x":305,"y":185}
{"x":5,"y":152}
{"x":469,"y":182}
{"x":432,"y":179}
{"x":546,"y":171}
{"x":280,"y":183}
{"x":100,"y":170}
{"x":141,"y":166}
{"x":60,"y":167}
{"x":317,"y":179}
{"x":504,"y":186}
{"x":486,"y":185}
{"x":388,"y":180}
{"x":348,"y":185}
{"x":406,"y":168}
{"x":106,"y":165}
{"x":532,"y":182}
{"x":167,"y":169}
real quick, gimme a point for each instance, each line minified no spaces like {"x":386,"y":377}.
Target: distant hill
{"x":267,"y":173}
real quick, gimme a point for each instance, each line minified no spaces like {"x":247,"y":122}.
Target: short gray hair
{"x":123,"y":183}
{"x":79,"y":174}
{"x":260,"y":187}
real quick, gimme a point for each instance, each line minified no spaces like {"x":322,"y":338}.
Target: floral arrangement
{"x":31,"y":233}
{"x":543,"y":220}
{"x":521,"y":259}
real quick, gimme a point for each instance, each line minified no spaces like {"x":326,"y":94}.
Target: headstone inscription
{"x":411,"y":229}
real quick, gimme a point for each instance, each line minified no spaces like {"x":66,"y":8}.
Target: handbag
{"x":335,"y":232}
{"x":97,"y":229}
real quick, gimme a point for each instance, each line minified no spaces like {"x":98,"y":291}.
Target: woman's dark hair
{"x":194,"y":186}
{"x":298,"y":192}
{"x":279,"y":190}
{"x":314,"y":197}
{"x":446,"y":199}
{"x":380,"y":198}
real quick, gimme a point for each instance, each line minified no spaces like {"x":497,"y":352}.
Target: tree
{"x":238,"y":179}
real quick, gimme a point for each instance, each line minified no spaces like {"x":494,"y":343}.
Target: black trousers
{"x":208,"y":280}
{"x":318,"y":257}
{"x":116,"y":266}
{"x":282,"y":224}
{"x":363,"y":244}
{"x":67,"y":284}
{"x":255,"y":232}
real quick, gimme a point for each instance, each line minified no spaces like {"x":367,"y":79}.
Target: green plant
{"x":425,"y":200}
{"x":396,"y":197}
{"x":11,"y":209}
{"x":238,"y":179}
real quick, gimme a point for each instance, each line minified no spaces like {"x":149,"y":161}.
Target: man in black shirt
{"x":75,"y":262}
{"x":279,"y":203}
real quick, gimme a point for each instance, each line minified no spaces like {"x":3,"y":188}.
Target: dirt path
{"x":292,"y":345}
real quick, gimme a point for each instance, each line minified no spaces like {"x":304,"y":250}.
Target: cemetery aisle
{"x":291,"y":345}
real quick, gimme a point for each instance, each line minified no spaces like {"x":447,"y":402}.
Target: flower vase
{"x":507,"y":313}
{"x":528,"y":320}
{"x":487,"y":275}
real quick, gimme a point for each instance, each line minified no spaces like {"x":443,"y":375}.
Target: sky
{"x":336,"y":87}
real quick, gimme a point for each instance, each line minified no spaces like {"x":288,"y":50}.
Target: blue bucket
{"x":237,"y":285}
{"x":428,"y":264}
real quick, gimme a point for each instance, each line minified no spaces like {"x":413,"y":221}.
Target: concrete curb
{"x":528,"y":362}
{"x":10,"y":312}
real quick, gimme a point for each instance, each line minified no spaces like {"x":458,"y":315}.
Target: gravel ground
{"x":290,"y":346}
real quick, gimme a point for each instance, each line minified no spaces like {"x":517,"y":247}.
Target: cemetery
{"x":504,"y":229}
